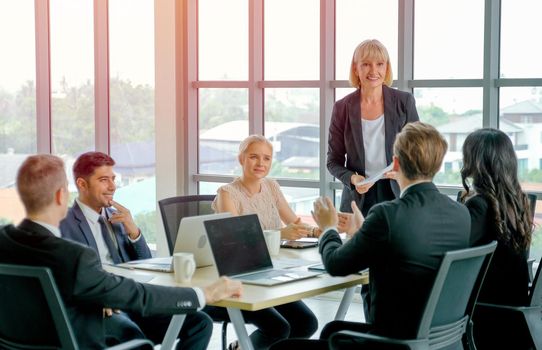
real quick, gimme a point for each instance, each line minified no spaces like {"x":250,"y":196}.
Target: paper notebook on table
{"x":240,"y":252}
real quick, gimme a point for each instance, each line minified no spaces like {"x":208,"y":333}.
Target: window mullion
{"x":43,"y":77}
{"x":255,"y":63}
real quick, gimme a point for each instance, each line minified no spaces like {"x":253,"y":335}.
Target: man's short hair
{"x":86,"y":163}
{"x":420,"y":149}
{"x":38,"y":179}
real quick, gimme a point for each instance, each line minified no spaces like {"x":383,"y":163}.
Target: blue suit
{"x":75,"y":227}
{"x":197,"y":328}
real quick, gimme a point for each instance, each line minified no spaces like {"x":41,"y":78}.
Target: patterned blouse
{"x":263,"y":203}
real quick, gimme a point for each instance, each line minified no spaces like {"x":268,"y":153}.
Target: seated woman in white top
{"x":253,"y":193}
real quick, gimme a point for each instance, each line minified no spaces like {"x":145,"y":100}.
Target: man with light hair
{"x":402,"y":241}
{"x":85,"y":287}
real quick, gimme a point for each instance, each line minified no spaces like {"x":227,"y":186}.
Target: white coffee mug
{"x":184,"y":266}
{"x":272,"y":239}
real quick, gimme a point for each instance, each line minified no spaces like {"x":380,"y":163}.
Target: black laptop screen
{"x":238,"y":244}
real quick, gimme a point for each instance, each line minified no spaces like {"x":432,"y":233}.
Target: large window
{"x":297,"y":69}
{"x":56,"y":49}
{"x":520,"y":18}
{"x":131,"y":84}
{"x":17,"y":100}
{"x":223,"y":40}
{"x":291,"y":40}
{"x":455,"y":112}
{"x":358,"y":20}
{"x":272,"y":67}
{"x":72,"y":77}
{"x":223,"y":124}
{"x":444,"y":48}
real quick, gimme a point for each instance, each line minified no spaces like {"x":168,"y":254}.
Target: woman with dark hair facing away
{"x":499,"y":211}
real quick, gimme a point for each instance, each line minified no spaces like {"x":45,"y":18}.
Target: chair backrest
{"x":454,"y":295}
{"x":32,"y":314}
{"x":175,"y":208}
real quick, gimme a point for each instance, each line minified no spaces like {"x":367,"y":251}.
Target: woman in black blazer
{"x":499,"y":211}
{"x":363,"y":128}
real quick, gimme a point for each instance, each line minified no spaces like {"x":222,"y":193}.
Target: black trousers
{"x":195,"y":333}
{"x":380,"y":192}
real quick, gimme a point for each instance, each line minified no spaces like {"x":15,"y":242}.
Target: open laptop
{"x":240,"y":252}
{"x":191,"y":238}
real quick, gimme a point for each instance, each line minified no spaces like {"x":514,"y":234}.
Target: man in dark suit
{"x":401,"y":241}
{"x":114,"y":235}
{"x":85,"y":287}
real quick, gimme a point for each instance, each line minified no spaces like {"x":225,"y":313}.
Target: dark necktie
{"x":111,"y":247}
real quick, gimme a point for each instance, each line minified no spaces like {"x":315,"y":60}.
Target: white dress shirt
{"x":374,"y":144}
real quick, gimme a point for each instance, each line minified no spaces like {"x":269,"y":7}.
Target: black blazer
{"x":85,"y":287}
{"x":346,"y":154}
{"x":402,"y":243}
{"x":507,"y":278}
{"x":75,"y":227}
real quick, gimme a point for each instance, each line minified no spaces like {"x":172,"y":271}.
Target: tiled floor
{"x":324,"y":306}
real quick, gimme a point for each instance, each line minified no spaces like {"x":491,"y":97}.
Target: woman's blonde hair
{"x":245,"y":144}
{"x":370,"y":49}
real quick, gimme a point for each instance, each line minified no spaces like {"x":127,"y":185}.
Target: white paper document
{"x":376,"y":176}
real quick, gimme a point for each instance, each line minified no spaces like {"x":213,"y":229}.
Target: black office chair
{"x":448,"y":310}
{"x":173,"y":210}
{"x":525,"y":319}
{"x":32,"y":313}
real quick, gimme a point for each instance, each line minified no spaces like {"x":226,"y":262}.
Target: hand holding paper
{"x":376,"y":177}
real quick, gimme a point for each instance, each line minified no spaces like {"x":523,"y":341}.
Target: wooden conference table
{"x":254,"y":297}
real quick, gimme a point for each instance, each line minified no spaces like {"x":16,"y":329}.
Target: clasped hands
{"x":325,"y":215}
{"x":297,"y":230}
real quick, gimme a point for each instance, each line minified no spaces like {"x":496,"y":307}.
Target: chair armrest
{"x":368,"y":339}
{"x":504,"y":307}
{"x":132,"y":344}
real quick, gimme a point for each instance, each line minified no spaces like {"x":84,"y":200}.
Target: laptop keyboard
{"x":264,"y":275}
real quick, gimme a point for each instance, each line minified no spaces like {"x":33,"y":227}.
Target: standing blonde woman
{"x":362,"y":131}
{"x":363,"y":128}
{"x":253,"y":193}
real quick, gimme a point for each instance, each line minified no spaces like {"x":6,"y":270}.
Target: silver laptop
{"x":191,"y":238}
{"x":240,"y":252}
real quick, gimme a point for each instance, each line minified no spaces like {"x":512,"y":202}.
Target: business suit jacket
{"x":507,"y":278}
{"x":402,"y":243}
{"x":346,"y":153}
{"x":75,"y":227}
{"x":84,"y":286}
